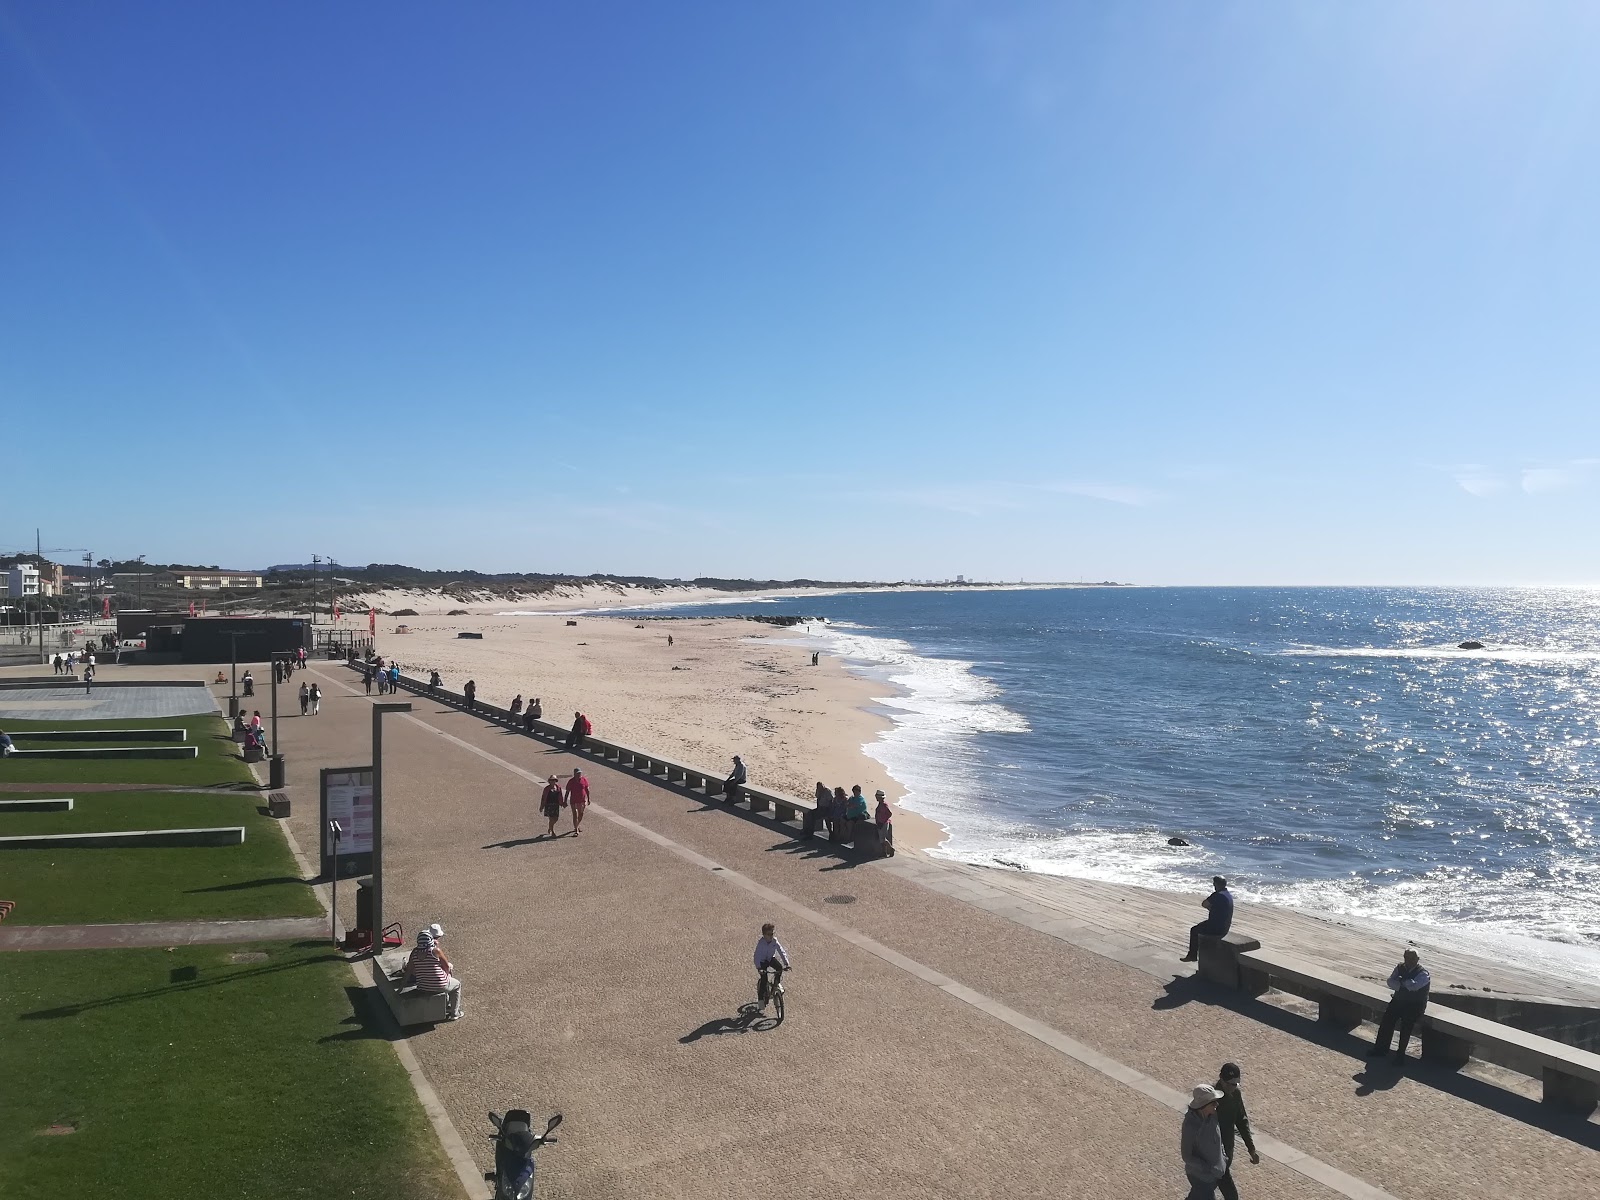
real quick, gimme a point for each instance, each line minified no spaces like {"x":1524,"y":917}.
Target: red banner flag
{"x":372,"y":620}
{"x":105,"y":606}
{"x":335,"y":614}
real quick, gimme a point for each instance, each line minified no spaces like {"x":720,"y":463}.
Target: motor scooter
{"x":514,"y":1144}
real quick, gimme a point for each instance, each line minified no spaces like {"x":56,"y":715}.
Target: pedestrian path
{"x":933,"y":1046}
{"x":160,"y":933}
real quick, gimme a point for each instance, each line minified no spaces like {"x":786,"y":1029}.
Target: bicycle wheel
{"x":777,"y":1002}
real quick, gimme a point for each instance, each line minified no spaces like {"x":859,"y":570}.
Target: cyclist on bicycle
{"x":770,"y":955}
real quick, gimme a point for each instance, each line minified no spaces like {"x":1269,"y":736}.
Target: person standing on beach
{"x":578,"y":797}
{"x":1205,"y":1162}
{"x":305,"y":698}
{"x":1220,"y":907}
{"x":551,"y":801}
{"x":316,"y":699}
{"x":669,"y":641}
{"x":1410,"y":983}
{"x":1231,"y":1115}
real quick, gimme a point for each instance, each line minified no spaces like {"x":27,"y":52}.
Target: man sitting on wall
{"x":1220,"y":907}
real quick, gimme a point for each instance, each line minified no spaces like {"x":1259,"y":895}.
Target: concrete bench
{"x":1571,"y":1076}
{"x":222,"y":835}
{"x":105,"y":735}
{"x":409,"y":1004}
{"x":35,"y":806}
{"x":117,"y":752}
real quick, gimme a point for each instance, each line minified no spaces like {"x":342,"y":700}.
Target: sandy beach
{"x":724,"y":687}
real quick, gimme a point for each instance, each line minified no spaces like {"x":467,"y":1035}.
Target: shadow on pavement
{"x":246,"y":884}
{"x":368,"y":1020}
{"x":513,"y":842}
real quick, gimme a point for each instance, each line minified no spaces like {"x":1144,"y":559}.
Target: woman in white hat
{"x":1204,"y":1160}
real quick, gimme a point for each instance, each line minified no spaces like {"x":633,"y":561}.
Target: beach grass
{"x":219,"y":763}
{"x":89,"y":885}
{"x":187,"y":1072}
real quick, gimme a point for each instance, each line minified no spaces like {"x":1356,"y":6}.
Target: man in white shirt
{"x":770,"y":955}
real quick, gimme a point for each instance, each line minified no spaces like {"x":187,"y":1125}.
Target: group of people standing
{"x":386,"y":675}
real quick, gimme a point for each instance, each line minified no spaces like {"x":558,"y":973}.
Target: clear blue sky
{"x":1160,"y":292}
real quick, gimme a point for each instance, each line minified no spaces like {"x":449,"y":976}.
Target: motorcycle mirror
{"x":494,"y":1119}
{"x":550,"y":1128}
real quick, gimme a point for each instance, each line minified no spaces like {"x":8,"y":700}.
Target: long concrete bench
{"x":120,"y":752}
{"x":221,"y":835}
{"x":104,"y":735}
{"x":35,"y":806}
{"x":409,"y":1004}
{"x":1571,"y":1076}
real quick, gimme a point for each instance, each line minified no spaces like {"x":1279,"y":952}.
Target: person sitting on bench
{"x":431,"y":971}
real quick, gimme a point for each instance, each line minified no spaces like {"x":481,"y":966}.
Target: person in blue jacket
{"x":1219,"y":919}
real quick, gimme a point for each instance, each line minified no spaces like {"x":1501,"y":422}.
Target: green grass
{"x":63,"y":886}
{"x":188,"y":1075}
{"x":220,"y":762}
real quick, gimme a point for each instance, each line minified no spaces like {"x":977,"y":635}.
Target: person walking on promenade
{"x":56,"y":664}
{"x":1220,"y":907}
{"x":578,"y":797}
{"x":394,"y":679}
{"x":470,"y":690}
{"x":1205,"y":1162}
{"x":580,"y":730}
{"x":1231,"y":1115}
{"x":885,"y":820}
{"x":316,"y":699}
{"x":736,"y":780}
{"x":305,"y":698}
{"x":366,"y":677}
{"x":551,"y":801}
{"x":88,"y":679}
{"x":1410,"y":982}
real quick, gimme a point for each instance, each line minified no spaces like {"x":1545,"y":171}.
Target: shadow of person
{"x":713,"y":1027}
{"x":1181,"y":990}
{"x":513,"y":842}
{"x":1377,"y":1076}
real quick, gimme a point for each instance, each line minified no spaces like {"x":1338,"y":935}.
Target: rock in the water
{"x":1470,"y":646}
{"x":1177,"y":842}
{"x":458,"y":612}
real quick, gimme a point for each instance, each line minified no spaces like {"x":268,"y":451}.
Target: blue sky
{"x":1160,"y":292}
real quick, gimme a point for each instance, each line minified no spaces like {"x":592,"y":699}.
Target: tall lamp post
{"x":233,"y":697}
{"x":275,"y":773}
{"x":378,"y":711}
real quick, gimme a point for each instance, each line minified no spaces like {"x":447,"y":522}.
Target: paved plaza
{"x":69,"y":702}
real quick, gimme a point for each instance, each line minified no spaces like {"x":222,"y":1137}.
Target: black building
{"x":212,"y":640}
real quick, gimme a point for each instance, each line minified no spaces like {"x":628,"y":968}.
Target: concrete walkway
{"x":932,"y":1047}
{"x":159,"y":933}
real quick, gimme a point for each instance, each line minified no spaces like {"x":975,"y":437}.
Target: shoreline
{"x":725,"y":686}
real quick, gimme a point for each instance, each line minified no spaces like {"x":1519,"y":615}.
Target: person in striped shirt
{"x":430,"y":970}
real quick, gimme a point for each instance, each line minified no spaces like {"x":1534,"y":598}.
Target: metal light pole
{"x":378,"y":710}
{"x":335,"y":830}
{"x":275,"y":774}
{"x":233,"y":698}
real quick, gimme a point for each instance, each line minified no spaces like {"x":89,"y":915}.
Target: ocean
{"x":1325,"y":748}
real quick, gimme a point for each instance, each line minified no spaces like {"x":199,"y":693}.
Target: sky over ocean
{"x":1292,"y":293}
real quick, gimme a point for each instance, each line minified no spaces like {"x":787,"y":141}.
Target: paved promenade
{"x":932,"y":1047}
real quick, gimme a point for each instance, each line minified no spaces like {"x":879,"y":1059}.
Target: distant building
{"x":22,"y":580}
{"x":216,"y":580}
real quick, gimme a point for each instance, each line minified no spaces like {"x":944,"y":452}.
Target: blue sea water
{"x":1328,"y":748}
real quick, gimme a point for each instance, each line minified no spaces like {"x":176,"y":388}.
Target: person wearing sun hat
{"x":1205,"y":1162}
{"x":431,"y":971}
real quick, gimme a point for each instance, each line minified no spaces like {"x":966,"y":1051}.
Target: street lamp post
{"x":275,"y":772}
{"x":378,"y":711}
{"x":233,"y":697}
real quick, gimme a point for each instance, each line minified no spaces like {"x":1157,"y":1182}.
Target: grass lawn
{"x":94,"y":886}
{"x":219,"y":762}
{"x":189,"y":1075}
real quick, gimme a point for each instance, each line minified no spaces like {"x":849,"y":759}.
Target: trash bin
{"x":275,"y":771}
{"x":364,"y":903}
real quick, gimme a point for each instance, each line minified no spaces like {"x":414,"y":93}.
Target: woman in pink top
{"x":577,"y":797}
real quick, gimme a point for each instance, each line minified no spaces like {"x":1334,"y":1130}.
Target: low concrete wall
{"x":35,"y":806}
{"x":119,"y":752}
{"x":223,"y":835}
{"x":1568,"y":1023}
{"x":103,"y":735}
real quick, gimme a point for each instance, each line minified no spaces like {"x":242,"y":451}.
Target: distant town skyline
{"x":1288,"y":294}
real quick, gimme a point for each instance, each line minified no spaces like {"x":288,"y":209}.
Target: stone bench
{"x":105,"y":735}
{"x":1571,"y":1076}
{"x":117,"y":752}
{"x":409,"y":1004}
{"x":222,"y":835}
{"x":35,"y":806}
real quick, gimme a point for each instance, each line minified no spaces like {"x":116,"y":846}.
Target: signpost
{"x":347,"y":806}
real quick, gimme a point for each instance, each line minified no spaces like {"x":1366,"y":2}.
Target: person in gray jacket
{"x":1205,"y":1162}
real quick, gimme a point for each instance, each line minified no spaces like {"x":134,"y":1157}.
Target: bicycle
{"x":765,"y":990}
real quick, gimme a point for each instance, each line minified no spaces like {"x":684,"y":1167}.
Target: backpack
{"x":587,"y":728}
